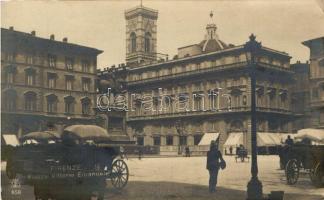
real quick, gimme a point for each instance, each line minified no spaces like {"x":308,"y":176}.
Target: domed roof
{"x":212,"y":45}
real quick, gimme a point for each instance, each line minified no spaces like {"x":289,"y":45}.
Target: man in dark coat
{"x":289,"y":141}
{"x":214,"y":156}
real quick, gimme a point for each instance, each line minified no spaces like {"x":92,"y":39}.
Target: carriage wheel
{"x":316,"y":175}
{"x":292,"y":171}
{"x":119,"y":174}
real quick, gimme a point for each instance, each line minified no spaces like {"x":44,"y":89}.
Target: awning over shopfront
{"x":208,"y":137}
{"x":316,"y":135}
{"x":10,"y":139}
{"x":234,"y":139}
{"x":264,"y":139}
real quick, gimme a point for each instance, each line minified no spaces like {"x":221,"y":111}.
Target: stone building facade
{"x":300,"y":101}
{"x":204,"y":88}
{"x":45,"y":81}
{"x":316,"y":81}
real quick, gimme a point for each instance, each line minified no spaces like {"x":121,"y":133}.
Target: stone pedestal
{"x":254,"y":189}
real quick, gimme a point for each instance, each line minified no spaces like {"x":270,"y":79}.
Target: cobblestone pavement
{"x":191,"y":172}
{"x":187,"y":178}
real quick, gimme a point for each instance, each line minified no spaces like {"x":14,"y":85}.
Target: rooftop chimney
{"x":33,"y":33}
{"x":52,"y":37}
{"x":11,"y":28}
{"x":65,"y":39}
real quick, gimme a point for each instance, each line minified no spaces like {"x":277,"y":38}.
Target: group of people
{"x":237,"y":150}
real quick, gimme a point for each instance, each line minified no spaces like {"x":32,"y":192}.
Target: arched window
{"x":86,"y":106}
{"x":133,"y":42}
{"x":147,"y":42}
{"x":9,"y":100}
{"x":10,"y":72}
{"x":30,"y":101}
{"x":30,"y":76}
{"x":69,"y":104}
{"x":51,"y":103}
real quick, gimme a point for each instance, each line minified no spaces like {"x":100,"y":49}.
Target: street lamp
{"x":254,"y":187}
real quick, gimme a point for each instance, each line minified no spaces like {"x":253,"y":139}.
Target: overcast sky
{"x":278,"y":24}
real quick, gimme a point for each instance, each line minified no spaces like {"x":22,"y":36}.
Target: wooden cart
{"x":72,"y":168}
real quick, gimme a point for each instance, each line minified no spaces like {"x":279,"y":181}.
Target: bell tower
{"x":140,"y":35}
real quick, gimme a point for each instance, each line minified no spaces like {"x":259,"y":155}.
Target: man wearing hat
{"x":214,"y":162}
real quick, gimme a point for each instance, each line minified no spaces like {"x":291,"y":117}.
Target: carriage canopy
{"x":87,"y":132}
{"x":316,"y":135}
{"x":41,"y":136}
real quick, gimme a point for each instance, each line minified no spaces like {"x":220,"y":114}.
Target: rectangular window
{"x":51,"y":80}
{"x":30,"y":59}
{"x":85,"y":84}
{"x":69,"y":83}
{"x":85,"y":66}
{"x":51,"y":60}
{"x":30,"y":79}
{"x":140,"y":141}
{"x":10,"y":77}
{"x":183,"y":140}
{"x":157,"y":140}
{"x":69,"y":63}
{"x":169,"y":140}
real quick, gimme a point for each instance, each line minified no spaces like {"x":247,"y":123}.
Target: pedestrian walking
{"x":231,"y":150}
{"x":187,"y":151}
{"x":139,"y":153}
{"x":214,"y":162}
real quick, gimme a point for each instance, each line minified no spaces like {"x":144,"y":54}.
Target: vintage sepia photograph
{"x":162,"y":100}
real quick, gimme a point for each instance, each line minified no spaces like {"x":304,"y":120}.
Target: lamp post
{"x":254,"y":187}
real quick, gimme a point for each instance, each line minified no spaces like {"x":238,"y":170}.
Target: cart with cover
{"x":73,"y":165}
{"x":305,"y":155}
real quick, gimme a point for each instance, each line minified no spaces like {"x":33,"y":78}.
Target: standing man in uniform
{"x":214,"y":162}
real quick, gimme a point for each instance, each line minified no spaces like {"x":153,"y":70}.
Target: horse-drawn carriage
{"x":74,"y":165}
{"x":303,"y":156}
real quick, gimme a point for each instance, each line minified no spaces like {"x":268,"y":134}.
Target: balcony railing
{"x":205,"y":113}
{"x":205,"y":70}
{"x":188,"y":73}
